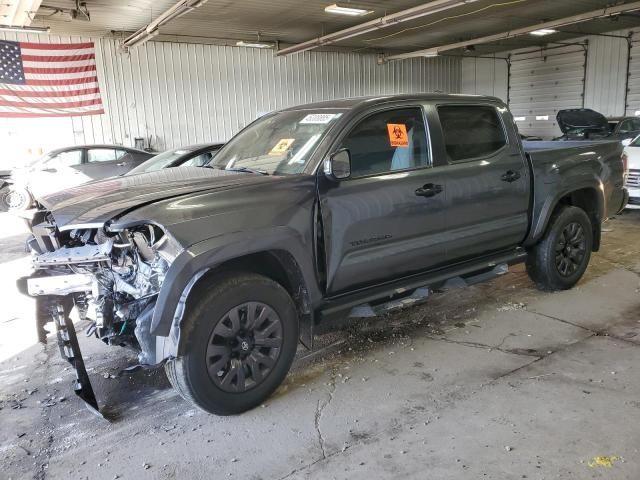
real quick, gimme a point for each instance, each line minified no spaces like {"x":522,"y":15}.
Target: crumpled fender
{"x":196,"y":260}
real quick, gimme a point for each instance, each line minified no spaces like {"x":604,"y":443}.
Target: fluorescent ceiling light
{"x":354,"y":12}
{"x":253,"y":44}
{"x":10,"y":28}
{"x":542,"y":32}
{"x":430,"y":54}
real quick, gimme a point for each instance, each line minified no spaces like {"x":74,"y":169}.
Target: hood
{"x":92,"y":204}
{"x":581,"y":119}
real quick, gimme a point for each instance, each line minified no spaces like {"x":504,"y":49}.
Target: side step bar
{"x":420,"y":295}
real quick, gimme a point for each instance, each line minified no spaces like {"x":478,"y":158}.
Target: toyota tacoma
{"x":308,"y":213}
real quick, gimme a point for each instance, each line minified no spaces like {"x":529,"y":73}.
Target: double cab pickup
{"x":217,"y":273}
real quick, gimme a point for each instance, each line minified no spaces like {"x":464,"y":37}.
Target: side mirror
{"x":338,"y":165}
{"x":627,"y":141}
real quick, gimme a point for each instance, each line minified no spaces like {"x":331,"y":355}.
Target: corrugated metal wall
{"x":485,"y":76}
{"x":606,"y":76}
{"x":177,"y":93}
{"x":545,"y":81}
{"x":633,"y":94}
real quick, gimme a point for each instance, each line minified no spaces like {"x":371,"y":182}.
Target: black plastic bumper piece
{"x":70,"y":351}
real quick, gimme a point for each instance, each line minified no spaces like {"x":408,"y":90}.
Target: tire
{"x":16,"y":198}
{"x":555,"y":264}
{"x":206,"y":334}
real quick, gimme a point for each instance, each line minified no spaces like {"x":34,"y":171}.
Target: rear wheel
{"x":240,"y":339}
{"x":560,"y":259}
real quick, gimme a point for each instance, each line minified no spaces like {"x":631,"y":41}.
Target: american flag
{"x":48,"y":80}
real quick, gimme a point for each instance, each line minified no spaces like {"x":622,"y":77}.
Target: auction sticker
{"x":282,"y":146}
{"x":398,"y":134}
{"x":319,"y":118}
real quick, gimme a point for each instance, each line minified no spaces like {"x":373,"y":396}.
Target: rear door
{"x":102,"y":162}
{"x":387,"y":219}
{"x":487,"y":180}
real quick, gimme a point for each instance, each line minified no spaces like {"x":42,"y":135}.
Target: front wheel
{"x":240,"y":338}
{"x":560,"y":259}
{"x":16,"y":198}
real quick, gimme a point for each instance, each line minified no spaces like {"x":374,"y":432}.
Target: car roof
{"x":97,"y":145}
{"x":357,"y":102}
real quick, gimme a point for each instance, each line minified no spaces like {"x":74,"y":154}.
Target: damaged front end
{"x":110,"y":275}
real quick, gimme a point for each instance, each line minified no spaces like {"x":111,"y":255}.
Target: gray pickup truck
{"x":218,"y":273}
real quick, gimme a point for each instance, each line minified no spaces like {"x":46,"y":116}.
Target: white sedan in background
{"x":632,"y":149}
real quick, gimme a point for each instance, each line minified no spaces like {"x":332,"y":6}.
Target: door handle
{"x":510,"y":176}
{"x":121,"y":164}
{"x":429,"y":190}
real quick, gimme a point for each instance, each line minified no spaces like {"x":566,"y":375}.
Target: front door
{"x":487,"y":181}
{"x":387,"y":219}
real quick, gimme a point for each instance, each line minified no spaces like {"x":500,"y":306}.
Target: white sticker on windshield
{"x":319,"y":118}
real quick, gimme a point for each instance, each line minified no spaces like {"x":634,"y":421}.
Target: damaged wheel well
{"x":277,"y":265}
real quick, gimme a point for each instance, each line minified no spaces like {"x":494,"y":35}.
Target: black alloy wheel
{"x":570,"y":249}
{"x":244,"y":346}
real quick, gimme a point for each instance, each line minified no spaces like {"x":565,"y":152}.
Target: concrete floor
{"x":495,"y":381}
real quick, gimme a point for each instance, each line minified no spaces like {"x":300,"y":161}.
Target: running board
{"x":420,"y":295}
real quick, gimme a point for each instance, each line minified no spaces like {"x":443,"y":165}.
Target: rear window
{"x":471,"y":131}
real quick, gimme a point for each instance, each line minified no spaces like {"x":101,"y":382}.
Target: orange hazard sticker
{"x":398,"y":134}
{"x":282,"y":146}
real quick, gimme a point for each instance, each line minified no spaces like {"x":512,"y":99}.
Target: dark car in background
{"x":587,"y":124}
{"x":68,"y":167}
{"x":191,"y":156}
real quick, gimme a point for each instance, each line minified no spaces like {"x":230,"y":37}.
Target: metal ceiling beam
{"x":150,"y":30}
{"x":382,"y":22}
{"x":583,"y":17}
{"x":18,"y":13}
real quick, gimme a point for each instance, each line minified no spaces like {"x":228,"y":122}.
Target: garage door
{"x":633,"y":94}
{"x":543,"y":82}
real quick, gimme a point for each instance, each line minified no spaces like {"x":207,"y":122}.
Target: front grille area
{"x":634,"y":201}
{"x":633,"y":180}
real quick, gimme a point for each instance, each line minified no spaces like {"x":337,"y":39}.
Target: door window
{"x":95,"y":155}
{"x":471,"y":131}
{"x":388,"y":141}
{"x":626,"y":126}
{"x":66,"y":159}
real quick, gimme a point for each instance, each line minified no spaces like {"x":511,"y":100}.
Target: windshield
{"x":278,"y":144}
{"x":159,"y":161}
{"x":636,"y":142}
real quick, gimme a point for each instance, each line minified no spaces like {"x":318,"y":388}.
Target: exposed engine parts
{"x":113,"y":278}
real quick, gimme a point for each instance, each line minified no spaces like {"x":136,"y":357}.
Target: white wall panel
{"x":606,"y":77}
{"x":633,"y":94}
{"x":543,"y":82}
{"x":485,"y":76}
{"x":177,"y":93}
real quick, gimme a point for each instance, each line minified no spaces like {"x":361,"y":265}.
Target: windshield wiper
{"x":247,"y":169}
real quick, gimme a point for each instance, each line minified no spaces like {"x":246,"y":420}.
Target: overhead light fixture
{"x":430,"y":54}
{"x":242,"y":43}
{"x":351,"y":11}
{"x":10,"y":28}
{"x":543,"y":31}
{"x":144,"y":39}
